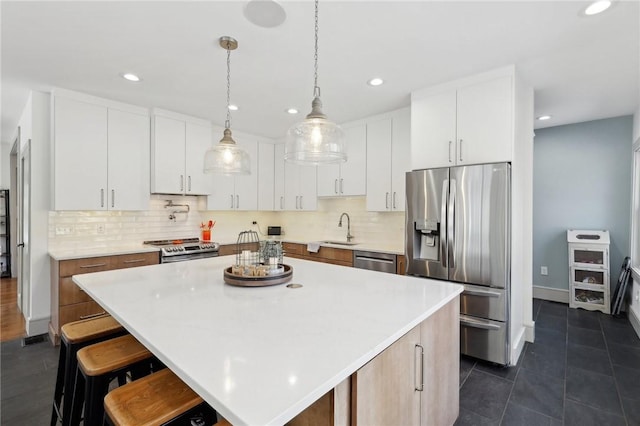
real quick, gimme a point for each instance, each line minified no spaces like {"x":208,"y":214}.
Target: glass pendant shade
{"x":315,"y":140}
{"x":227,"y":158}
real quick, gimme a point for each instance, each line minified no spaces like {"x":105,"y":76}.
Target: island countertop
{"x":262,"y":355}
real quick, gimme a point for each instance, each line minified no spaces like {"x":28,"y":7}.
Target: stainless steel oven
{"x":179,"y":250}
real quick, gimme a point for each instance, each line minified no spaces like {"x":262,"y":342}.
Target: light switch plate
{"x":544,"y":270}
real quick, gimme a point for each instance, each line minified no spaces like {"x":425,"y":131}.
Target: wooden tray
{"x":243,"y":281}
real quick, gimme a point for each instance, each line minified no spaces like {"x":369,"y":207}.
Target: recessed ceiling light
{"x":265,"y":13}
{"x":233,"y":107}
{"x":544,"y":117}
{"x":131,"y":77}
{"x":597,"y":7}
{"x":291,"y":111}
{"x":375,"y":82}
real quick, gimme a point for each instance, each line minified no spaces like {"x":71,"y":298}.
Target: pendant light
{"x":315,"y":140}
{"x":226,"y":157}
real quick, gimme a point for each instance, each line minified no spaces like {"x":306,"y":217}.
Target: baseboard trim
{"x":635,"y":321}
{"x":517,"y":346}
{"x":530,"y":332}
{"x":551,"y":294}
{"x":36,"y":326}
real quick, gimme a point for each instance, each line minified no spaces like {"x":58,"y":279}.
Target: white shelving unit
{"x":589,"y":270}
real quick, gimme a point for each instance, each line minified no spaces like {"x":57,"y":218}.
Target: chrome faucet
{"x":349,"y":236}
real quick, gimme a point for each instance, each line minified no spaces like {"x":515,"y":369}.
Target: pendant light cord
{"x":227,"y":123}
{"x":316,"y":89}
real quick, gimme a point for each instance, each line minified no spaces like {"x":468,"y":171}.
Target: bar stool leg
{"x":57,"y":394}
{"x":95,"y":389}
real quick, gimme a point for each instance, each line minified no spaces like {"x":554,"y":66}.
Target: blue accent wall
{"x":581,"y":180}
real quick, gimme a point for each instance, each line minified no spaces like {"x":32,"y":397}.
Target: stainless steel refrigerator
{"x":458,"y":229}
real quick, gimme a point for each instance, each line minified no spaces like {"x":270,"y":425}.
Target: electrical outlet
{"x":544,"y":270}
{"x":64,"y":230}
{"x":100,"y":228}
{"x":254,"y":222}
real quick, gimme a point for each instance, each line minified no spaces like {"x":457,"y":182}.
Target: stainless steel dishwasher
{"x":374,"y":261}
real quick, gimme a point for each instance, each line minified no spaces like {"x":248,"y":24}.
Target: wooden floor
{"x":11,"y":319}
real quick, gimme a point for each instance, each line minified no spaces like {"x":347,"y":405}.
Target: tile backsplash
{"x":97,"y":229}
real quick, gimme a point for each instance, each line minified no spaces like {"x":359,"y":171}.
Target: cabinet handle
{"x":419,"y":377}
{"x":189,"y":183}
{"x":335,"y":186}
{"x":394,"y":199}
{"x":237,"y":201}
{"x":113,"y":198}
{"x":95,"y":265}
{"x":341,"y":186}
{"x":460,"y":149}
{"x":386,"y":200}
{"x":231,"y":200}
{"x":134,"y":261}
{"x":281,"y":203}
{"x":450,"y":143}
{"x":92,"y":315}
{"x":301,"y":208}
{"x":101,"y":197}
{"x":297,"y":201}
{"x":181,"y":182}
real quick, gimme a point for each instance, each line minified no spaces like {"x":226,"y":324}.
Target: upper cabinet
{"x":177,"y":154}
{"x":300,"y":187}
{"x":101,"y":153}
{"x":278,"y":177}
{"x":388,"y":159}
{"x":237,"y":192}
{"x":266,"y":176}
{"x":469,"y":121}
{"x":348,"y":178}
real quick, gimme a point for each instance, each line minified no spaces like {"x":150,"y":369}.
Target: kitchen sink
{"x":340,"y":243}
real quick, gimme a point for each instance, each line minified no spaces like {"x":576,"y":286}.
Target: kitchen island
{"x":263,"y":355}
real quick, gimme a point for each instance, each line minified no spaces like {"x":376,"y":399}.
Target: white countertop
{"x":262,"y":355}
{"x":80,"y":253}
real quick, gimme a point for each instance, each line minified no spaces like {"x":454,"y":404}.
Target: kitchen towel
{"x":313,"y":247}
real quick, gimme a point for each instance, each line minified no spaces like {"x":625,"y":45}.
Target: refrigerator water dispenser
{"x":427,"y":234}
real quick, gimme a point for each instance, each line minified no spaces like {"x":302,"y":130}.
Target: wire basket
{"x":258,"y":263}
{"x":248,"y":249}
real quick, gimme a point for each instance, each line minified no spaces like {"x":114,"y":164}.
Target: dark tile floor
{"x":583,"y":369}
{"x":27,"y":380}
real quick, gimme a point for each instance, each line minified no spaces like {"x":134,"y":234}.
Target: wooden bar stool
{"x":158,"y":399}
{"x":75,"y":336}
{"x":98,"y":365}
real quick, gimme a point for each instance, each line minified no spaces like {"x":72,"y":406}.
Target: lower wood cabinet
{"x":324,"y":254}
{"x":68,"y":301}
{"x":415,"y":381}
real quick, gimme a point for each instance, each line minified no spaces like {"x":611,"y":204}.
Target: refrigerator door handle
{"x":443,"y":226}
{"x":451,"y":224}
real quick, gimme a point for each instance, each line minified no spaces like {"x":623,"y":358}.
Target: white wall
{"x":34,"y":124}
{"x":5,"y":174}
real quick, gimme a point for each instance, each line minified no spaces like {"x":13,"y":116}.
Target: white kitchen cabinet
{"x":266,"y":176}
{"x":470,"y":121}
{"x":300,"y":187}
{"x":348,"y":178}
{"x":237,"y":192}
{"x":278,"y":178}
{"x":178,"y":146}
{"x":388,"y":159}
{"x":101,"y":154}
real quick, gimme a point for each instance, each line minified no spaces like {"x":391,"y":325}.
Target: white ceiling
{"x":582,"y":68}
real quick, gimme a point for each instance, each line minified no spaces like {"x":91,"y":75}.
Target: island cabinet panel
{"x":68,"y":301}
{"x":415,"y":380}
{"x":335,"y":256}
